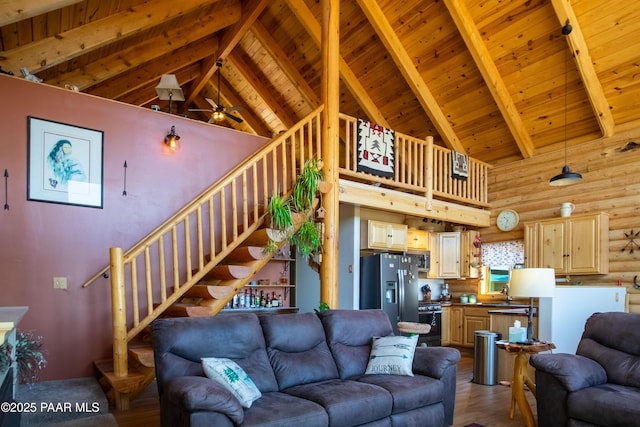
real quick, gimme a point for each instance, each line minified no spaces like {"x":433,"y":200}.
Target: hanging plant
{"x":306,"y":186}
{"x":280,"y":212}
{"x":307,"y":239}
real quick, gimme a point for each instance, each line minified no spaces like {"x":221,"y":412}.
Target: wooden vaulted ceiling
{"x":493,"y":78}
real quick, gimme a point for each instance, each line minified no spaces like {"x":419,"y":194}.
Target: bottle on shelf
{"x":252,"y":300}
{"x":263,"y":302}
{"x":274,"y":300}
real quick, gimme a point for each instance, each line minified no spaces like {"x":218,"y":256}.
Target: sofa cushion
{"x":297,"y":349}
{"x":408,"y":392}
{"x":392,"y":355}
{"x":349,"y":334}
{"x":340,"y":398}
{"x":276,"y":409}
{"x":181,"y":343}
{"x":605,"y":405}
{"x":232,"y":377}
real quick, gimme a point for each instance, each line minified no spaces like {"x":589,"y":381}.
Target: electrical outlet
{"x":59,"y":283}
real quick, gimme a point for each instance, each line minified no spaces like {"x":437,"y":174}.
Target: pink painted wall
{"x":39,"y":241}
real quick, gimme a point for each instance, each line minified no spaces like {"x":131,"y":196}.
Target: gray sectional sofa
{"x":309,"y":368}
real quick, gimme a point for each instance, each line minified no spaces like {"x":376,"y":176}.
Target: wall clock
{"x":507,"y":220}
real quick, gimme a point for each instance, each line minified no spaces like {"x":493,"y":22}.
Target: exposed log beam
{"x":410,"y":204}
{"x":403,"y":61}
{"x":482,"y":58}
{"x":17,"y":10}
{"x":358,"y":91}
{"x":229,"y":39}
{"x":280,"y":57}
{"x":51,"y":51}
{"x":274,"y":104}
{"x":193,"y":39}
{"x":578,"y":45}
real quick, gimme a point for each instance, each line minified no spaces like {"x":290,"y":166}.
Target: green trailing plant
{"x":30,"y":357}
{"x":307,"y":239}
{"x":280,"y":212}
{"x":323,"y":306}
{"x":306,"y":186}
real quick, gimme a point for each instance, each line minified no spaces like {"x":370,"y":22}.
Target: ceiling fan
{"x":218,"y":111}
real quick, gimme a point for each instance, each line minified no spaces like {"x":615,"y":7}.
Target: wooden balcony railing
{"x":421,"y":168}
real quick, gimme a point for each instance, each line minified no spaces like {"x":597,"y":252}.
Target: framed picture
{"x":64,"y":163}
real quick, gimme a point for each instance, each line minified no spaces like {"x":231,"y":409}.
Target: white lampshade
{"x":532,"y":282}
{"x":169,"y":89}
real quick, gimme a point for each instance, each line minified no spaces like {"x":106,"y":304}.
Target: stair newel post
{"x":119,"y":313}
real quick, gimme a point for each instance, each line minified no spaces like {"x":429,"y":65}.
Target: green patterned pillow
{"x":392,"y":355}
{"x":233,"y":378}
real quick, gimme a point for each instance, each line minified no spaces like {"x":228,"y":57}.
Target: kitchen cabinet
{"x":474,"y":319}
{"x":447,"y":255}
{"x":445,"y":326}
{"x":470,"y":254}
{"x":570,"y":245}
{"x":385,"y":235}
{"x":500,"y":321}
{"x":417,"y":240}
{"x":456,"y":325}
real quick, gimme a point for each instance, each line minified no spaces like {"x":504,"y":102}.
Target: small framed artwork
{"x":64,"y":163}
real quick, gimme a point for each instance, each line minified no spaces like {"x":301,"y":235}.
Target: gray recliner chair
{"x":600,"y":384}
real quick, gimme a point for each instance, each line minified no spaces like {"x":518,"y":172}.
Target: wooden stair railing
{"x":183,"y":250}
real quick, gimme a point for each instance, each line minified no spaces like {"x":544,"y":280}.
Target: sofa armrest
{"x":201,"y":394}
{"x":573,"y":371}
{"x":434,"y":361}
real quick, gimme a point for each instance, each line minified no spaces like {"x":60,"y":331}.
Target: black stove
{"x":431,"y":313}
{"x":429,"y":306}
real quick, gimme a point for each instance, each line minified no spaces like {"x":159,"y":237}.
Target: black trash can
{"x":485,"y":359}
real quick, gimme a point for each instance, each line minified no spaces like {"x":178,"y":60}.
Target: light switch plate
{"x":59,"y":283}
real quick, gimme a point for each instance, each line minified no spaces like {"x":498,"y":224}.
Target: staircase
{"x":195,"y":262}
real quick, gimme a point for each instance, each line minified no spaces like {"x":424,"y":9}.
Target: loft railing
{"x":156,"y":273}
{"x":421,"y":168}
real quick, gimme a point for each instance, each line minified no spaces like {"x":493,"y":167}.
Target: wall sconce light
{"x":172,"y":138}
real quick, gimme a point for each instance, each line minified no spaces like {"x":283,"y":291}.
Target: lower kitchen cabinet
{"x":455,"y":325}
{"x":445,"y":326}
{"x":474,"y":319}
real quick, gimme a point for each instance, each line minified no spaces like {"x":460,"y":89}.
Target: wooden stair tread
{"x":209,"y":291}
{"x":228,"y":271}
{"x":130,"y":383}
{"x":245,"y":254}
{"x":262,"y":236}
{"x":144,"y":355}
{"x":188,"y":310}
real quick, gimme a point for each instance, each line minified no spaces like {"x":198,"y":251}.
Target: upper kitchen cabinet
{"x":385,"y":235}
{"x":445,"y":255}
{"x":570,"y":245}
{"x":470,"y":253}
{"x":417,"y":240}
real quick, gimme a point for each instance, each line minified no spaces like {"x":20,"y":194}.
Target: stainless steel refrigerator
{"x":390,"y":282}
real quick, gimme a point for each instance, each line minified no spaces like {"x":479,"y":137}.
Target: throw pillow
{"x":233,"y":378}
{"x":392,"y":355}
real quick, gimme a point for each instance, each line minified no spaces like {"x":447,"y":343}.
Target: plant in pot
{"x":29,"y":357}
{"x":306,"y":187}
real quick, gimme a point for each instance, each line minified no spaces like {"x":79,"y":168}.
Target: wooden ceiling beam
{"x":51,"y":51}
{"x":407,"y":68}
{"x":482,"y":58}
{"x":578,"y":45}
{"x":194,"y":40}
{"x":228,"y":41}
{"x":272,"y":102}
{"x":306,"y":18}
{"x":18,"y":10}
{"x":280,"y":57}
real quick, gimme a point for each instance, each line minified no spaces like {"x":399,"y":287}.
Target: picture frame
{"x":65,"y":163}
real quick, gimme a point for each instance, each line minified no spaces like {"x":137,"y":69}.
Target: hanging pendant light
{"x":566,"y":177}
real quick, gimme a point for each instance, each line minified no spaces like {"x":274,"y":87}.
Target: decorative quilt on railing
{"x":459,"y":165}
{"x":376,"y":149}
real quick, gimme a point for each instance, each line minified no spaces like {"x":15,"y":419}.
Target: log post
{"x":330,"y":47}
{"x":119,"y":313}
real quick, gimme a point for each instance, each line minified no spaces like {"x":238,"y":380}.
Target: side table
{"x":521,"y":378}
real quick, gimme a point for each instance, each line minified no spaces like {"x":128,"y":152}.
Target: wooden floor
{"x":475,"y":403}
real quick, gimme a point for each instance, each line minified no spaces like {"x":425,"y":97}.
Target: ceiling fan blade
{"x":236,"y":108}
{"x":200,"y":109}
{"x":213,"y":104}
{"x":232,"y":117}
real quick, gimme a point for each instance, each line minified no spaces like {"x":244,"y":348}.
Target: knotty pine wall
{"x":611,"y":183}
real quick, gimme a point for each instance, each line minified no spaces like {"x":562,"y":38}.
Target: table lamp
{"x":532,"y":283}
{"x":169,"y":89}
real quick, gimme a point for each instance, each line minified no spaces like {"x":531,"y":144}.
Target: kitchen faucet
{"x":505,"y":290}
